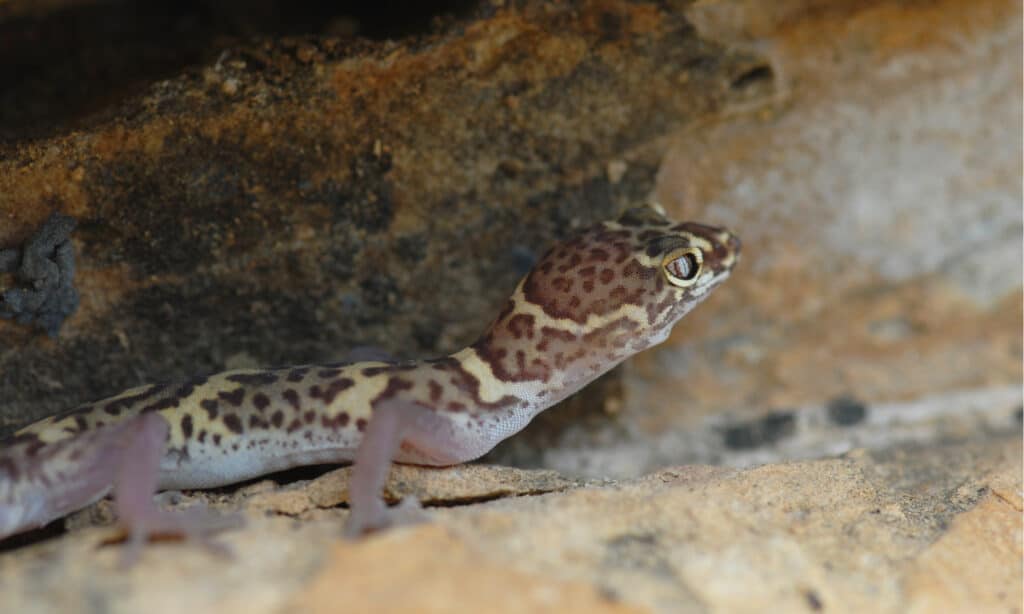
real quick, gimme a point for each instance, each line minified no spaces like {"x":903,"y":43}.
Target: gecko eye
{"x":682,"y":266}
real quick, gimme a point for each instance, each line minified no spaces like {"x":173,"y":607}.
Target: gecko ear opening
{"x":682,"y":266}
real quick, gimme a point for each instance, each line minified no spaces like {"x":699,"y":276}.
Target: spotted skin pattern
{"x":589,"y":303}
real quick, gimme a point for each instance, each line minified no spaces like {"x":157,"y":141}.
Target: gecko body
{"x":590,"y":302}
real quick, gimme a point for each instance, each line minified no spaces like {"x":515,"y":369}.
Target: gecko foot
{"x":134,"y":484}
{"x":407,"y":512}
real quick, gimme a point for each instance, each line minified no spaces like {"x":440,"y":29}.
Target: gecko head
{"x":613,"y":290}
{"x":642,"y":270}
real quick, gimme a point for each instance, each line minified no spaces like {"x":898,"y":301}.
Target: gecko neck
{"x":544,"y":365}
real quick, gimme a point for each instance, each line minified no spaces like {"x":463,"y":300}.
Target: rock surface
{"x":926,"y":529}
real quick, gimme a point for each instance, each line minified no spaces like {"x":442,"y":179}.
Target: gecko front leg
{"x":396,"y":424}
{"x":135,"y":482}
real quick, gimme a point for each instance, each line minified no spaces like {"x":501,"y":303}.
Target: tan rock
{"x":911,"y":528}
{"x":975,"y":566}
{"x":438,"y":572}
{"x":432,"y":486}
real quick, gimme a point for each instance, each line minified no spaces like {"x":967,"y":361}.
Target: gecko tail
{"x":41,"y":482}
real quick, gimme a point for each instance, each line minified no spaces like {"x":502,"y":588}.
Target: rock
{"x":468,"y":580}
{"x":431,"y":486}
{"x":919,"y":528}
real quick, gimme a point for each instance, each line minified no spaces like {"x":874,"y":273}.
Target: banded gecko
{"x":590,"y":302}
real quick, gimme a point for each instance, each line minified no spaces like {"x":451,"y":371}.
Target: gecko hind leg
{"x":135,"y":481}
{"x":395,"y":424}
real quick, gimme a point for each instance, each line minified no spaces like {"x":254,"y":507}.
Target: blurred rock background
{"x":269,"y":183}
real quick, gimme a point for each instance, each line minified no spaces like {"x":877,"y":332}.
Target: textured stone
{"x":920,"y":528}
{"x":468,"y":580}
{"x":457,"y":485}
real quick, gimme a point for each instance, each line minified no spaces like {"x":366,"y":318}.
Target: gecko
{"x":612,"y":290}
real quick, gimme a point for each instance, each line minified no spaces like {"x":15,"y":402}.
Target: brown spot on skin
{"x":327,"y":395}
{"x":636,"y":270}
{"x":81,"y":424}
{"x":328,"y":373}
{"x":654,"y":310}
{"x":297,"y":374}
{"x":588,"y":286}
{"x":435,"y":391}
{"x":216,"y":439}
{"x":277,"y":419}
{"x":607,"y":275}
{"x":292,"y":397}
{"x":210,"y":405}
{"x":334,"y":423}
{"x":35,"y":448}
{"x":186,"y":426}
{"x":574,"y":261}
{"x":309,"y":416}
{"x":202,"y":436}
{"x":294,"y":425}
{"x":361,"y":425}
{"x":375,"y":371}
{"x":599,"y":255}
{"x":233,"y":423}
{"x":562,"y":284}
{"x":260,"y":400}
{"x":521,"y":325}
{"x":257,"y":422}
{"x":588,"y":271}
{"x":235,"y":397}
{"x":622,"y":252}
{"x":468,"y":383}
{"x":393,"y":387}
{"x":496,"y":358}
{"x":162,"y":404}
{"x":253,"y":379}
{"x":548,"y":333}
{"x":455,"y":406}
